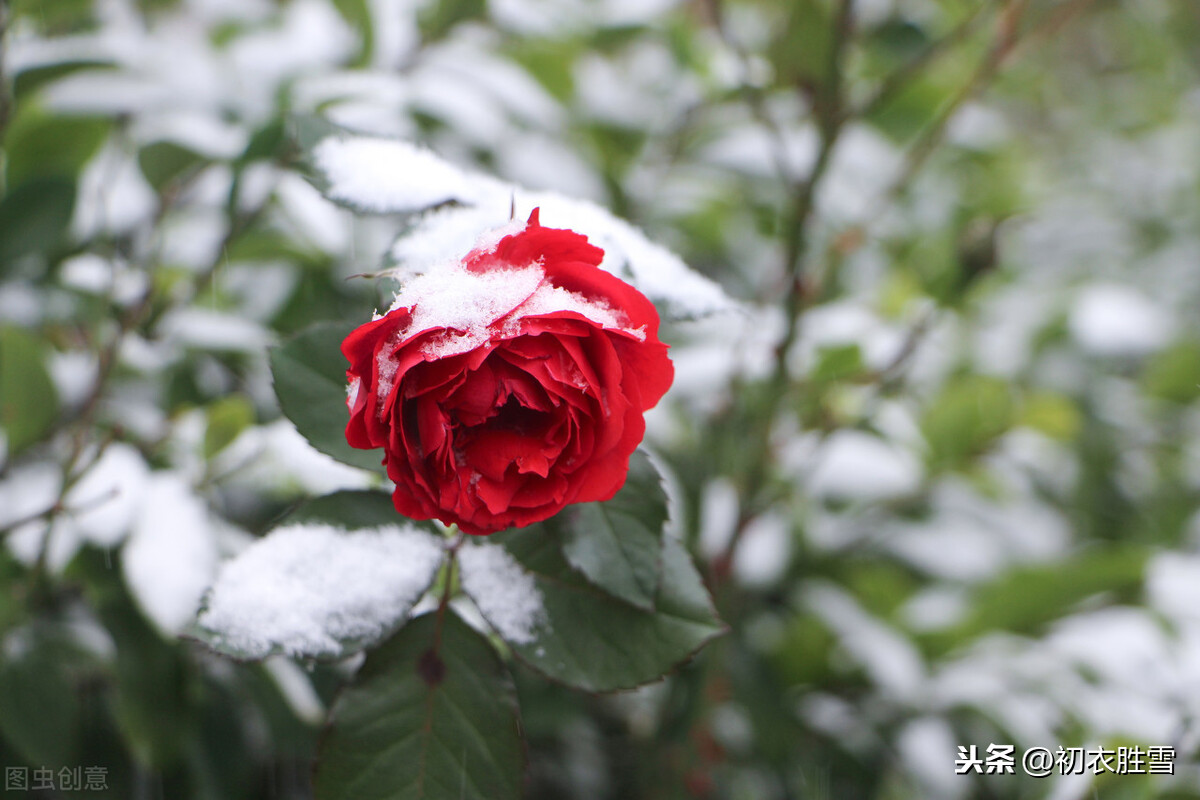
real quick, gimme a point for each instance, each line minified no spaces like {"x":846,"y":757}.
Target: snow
{"x":923,"y":746}
{"x":854,"y":465}
{"x":104,"y":93}
{"x":978,"y":127}
{"x":391,"y":176}
{"x":1114,"y":320}
{"x":103,"y":504}
{"x":20,"y":304}
{"x":764,"y":552}
{"x":28,"y":490}
{"x":543,"y":162}
{"x":312,"y":37}
{"x":1173,"y":584}
{"x":94,"y":508}
{"x":441,"y":236}
{"x":842,"y":323}
{"x":541,"y":17}
{"x":505,"y":593}
{"x":170,"y":556}
{"x":935,"y":608}
{"x":752,"y":150}
{"x":87,"y":272}
{"x":316,"y":219}
{"x":465,"y":301}
{"x":74,"y":373}
{"x":396,"y":33}
{"x":309,"y":589}
{"x":469,"y":304}
{"x":892,"y":661}
{"x":467,"y":60}
{"x":113,"y":196}
{"x":192,"y":238}
{"x":718,"y":516}
{"x":199,"y":132}
{"x":213,"y":330}
{"x":277,"y":458}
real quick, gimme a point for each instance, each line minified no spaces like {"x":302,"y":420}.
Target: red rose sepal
{"x":508,"y":385}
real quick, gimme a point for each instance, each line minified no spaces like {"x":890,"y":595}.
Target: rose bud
{"x":508,"y":385}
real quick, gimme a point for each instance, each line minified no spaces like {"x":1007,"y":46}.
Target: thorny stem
{"x":447,"y":590}
{"x":829,"y":110}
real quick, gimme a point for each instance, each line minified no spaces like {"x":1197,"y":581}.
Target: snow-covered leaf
{"x":388,"y":176}
{"x":312,"y":588}
{"x":580,"y":636}
{"x":171,"y":553}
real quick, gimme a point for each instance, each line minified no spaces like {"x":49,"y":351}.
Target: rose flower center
{"x":518,"y":419}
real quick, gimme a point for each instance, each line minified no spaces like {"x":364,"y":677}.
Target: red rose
{"x":508,"y":385}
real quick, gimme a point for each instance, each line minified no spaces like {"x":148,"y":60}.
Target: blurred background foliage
{"x":943,"y":473}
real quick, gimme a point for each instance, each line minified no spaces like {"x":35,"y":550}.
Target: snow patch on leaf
{"x":311,"y":590}
{"x":171,"y":554}
{"x":390,"y":176}
{"x":506,"y":594}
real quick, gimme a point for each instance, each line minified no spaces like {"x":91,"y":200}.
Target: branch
{"x":1002,"y":48}
{"x":899,"y":80}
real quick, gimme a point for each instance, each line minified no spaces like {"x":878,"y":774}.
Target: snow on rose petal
{"x":508,"y":384}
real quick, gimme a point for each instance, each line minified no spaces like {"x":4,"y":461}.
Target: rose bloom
{"x":505,"y":386}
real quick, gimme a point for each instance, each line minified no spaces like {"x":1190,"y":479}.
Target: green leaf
{"x":39,"y":704}
{"x":34,"y":217}
{"x":592,"y":641}
{"x":28,"y":399}
{"x":430,"y":716}
{"x":437,"y":20}
{"x":350,"y":510}
{"x":1173,"y":374}
{"x":617,"y":544}
{"x":1023,"y":599}
{"x":310,"y":382}
{"x":227,"y":417}
{"x":356,"y":509}
{"x":358,"y":14}
{"x":151,"y":704}
{"x":28,"y":81}
{"x":268,"y":142}
{"x":800,"y":53}
{"x":969,"y":413}
{"x":837,"y":363}
{"x":163,"y":162}
{"x":1053,"y":414}
{"x":57,"y":18}
{"x":41,"y":145}
{"x":308,"y":130}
